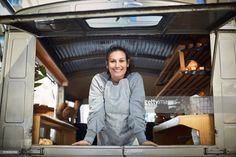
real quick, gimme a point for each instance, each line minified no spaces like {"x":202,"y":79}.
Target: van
{"x":179,"y":49}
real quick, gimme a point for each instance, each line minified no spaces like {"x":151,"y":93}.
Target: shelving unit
{"x":185,"y":83}
{"x":176,"y":80}
{"x":65,"y":132}
{"x":170,"y":67}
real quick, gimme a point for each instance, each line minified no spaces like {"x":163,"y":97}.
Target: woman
{"x":116,"y":100}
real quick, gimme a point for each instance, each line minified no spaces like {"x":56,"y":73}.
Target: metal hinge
{"x":214,"y":150}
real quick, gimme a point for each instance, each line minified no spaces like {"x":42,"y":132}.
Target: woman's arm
{"x":96,"y":110}
{"x":137,"y":110}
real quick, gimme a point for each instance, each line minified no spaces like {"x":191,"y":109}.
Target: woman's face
{"x":117,"y":65}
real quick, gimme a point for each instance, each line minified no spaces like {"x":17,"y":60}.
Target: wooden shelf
{"x":170,"y":67}
{"x":65,"y":133}
{"x":171,"y":131}
{"x":186,"y":83}
{"x":176,"y":80}
{"x":176,"y":62}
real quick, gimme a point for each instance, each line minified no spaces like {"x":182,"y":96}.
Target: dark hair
{"x":119,"y":48}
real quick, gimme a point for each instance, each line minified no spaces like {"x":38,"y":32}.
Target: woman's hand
{"x":82,"y":143}
{"x":149,"y":143}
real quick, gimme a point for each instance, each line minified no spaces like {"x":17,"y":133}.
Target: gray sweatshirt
{"x":117,"y":111}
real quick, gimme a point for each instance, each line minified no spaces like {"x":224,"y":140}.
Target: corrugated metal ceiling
{"x":75,"y":55}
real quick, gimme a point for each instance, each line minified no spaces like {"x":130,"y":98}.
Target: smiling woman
{"x":116,"y":100}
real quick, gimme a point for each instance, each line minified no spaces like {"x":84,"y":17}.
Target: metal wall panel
{"x":227,"y":47}
{"x":9,"y":133}
{"x":228,"y":101}
{"x":18,"y":58}
{"x":224,"y":90}
{"x":15,"y":104}
{"x":230,"y":137}
{"x":227,"y":55}
{"x":18,"y":86}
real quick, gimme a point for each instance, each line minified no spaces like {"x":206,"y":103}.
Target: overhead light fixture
{"x":124,"y":21}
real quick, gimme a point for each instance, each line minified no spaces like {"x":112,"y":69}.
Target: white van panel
{"x":227,"y":47}
{"x":18,"y":86}
{"x":8,"y":132}
{"x":230,"y":137}
{"x":224,"y":91}
{"x":15,"y":104}
{"x":82,"y":6}
{"x":228,"y":101}
{"x":57,"y":8}
{"x":71,"y":6}
{"x":18,"y":57}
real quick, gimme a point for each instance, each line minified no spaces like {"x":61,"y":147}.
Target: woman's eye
{"x":122,"y":61}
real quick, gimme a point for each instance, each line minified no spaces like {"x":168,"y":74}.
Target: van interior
{"x":169,"y":44}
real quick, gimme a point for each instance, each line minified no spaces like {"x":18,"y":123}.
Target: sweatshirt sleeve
{"x":137,"y":110}
{"x":96,"y":116}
